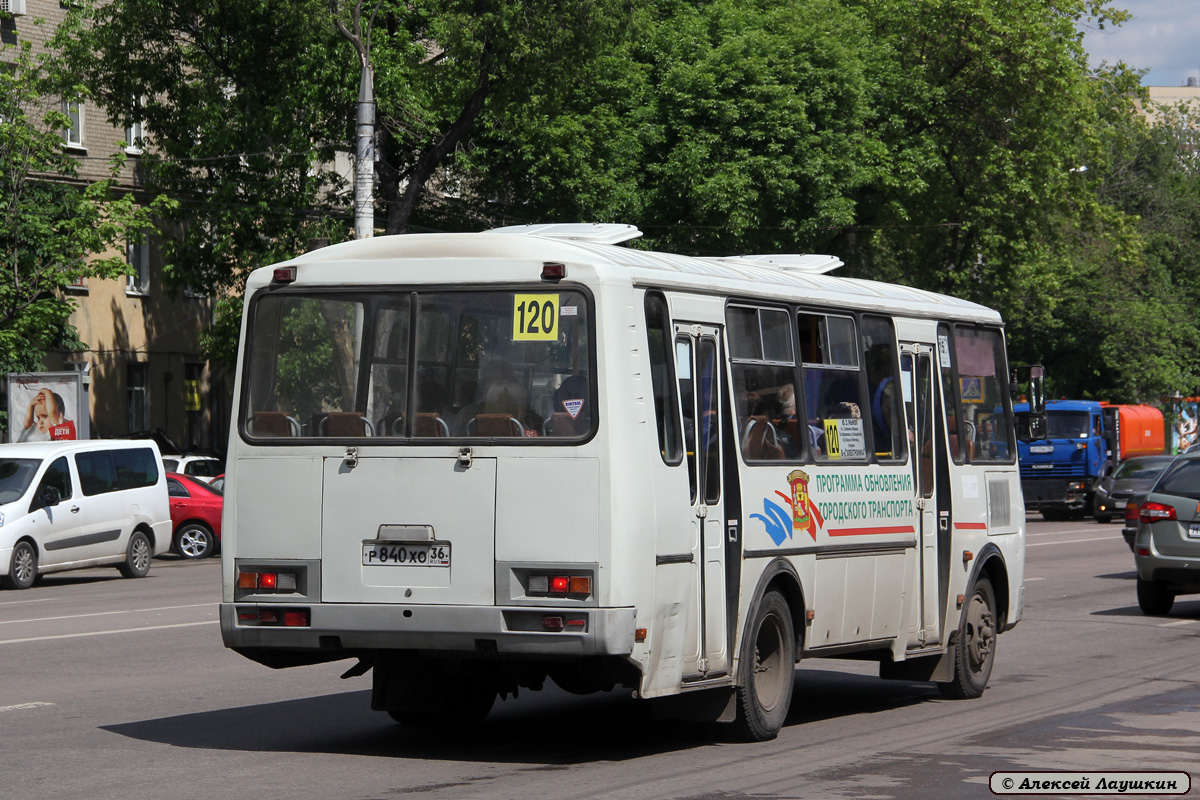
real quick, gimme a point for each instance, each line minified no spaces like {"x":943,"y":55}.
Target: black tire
{"x":766,"y":671}
{"x":1153,"y":598}
{"x":974,"y":650}
{"x":22,"y":569}
{"x":194,"y":540}
{"x":137,"y":556}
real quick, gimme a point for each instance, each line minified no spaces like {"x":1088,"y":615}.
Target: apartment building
{"x":143,"y":355}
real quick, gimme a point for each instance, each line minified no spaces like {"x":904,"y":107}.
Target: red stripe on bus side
{"x":971,"y":526}
{"x":870,"y":531}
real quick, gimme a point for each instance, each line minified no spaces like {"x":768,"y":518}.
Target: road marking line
{"x":1059,"y":533}
{"x":24,"y":706}
{"x":104,"y":613}
{"x":34,"y":600}
{"x":1177,"y":622}
{"x":1031,"y":580}
{"x":106,"y":633}
{"x":1073,"y":541}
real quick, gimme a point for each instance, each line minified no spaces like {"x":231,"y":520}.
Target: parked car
{"x":1133,"y":476}
{"x":76,"y":504}
{"x":195,"y":516}
{"x":203,"y":468}
{"x":218,"y":483}
{"x":1166,"y":549}
{"x":1132,"y":505}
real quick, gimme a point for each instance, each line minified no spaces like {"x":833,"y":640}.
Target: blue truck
{"x":1060,"y":473}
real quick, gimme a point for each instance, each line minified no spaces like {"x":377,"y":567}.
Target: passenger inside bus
{"x":503,"y":410}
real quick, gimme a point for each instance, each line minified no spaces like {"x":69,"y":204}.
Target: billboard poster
{"x":45,"y":406}
{"x":1185,"y":431}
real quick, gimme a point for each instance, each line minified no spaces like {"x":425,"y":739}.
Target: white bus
{"x":477,"y":461}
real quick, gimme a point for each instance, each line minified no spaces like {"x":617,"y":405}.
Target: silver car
{"x":1167,"y":546}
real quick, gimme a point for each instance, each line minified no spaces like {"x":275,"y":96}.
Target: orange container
{"x":1142,"y":431}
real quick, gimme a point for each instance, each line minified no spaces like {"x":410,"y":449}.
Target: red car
{"x":195,"y":516}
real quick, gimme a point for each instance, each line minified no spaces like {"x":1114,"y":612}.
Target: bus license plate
{"x":392,"y":554}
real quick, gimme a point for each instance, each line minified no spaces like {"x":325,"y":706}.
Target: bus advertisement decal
{"x":868,"y":502}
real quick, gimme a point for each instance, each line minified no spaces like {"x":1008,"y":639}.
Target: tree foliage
{"x":964,"y":146}
{"x":52,"y":226}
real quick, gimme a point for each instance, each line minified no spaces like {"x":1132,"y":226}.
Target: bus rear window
{"x":511,"y":365}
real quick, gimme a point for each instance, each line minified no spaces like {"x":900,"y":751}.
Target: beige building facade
{"x":142,"y":359}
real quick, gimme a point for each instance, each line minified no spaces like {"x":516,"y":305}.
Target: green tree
{"x":52,"y":226}
{"x":243,"y":135}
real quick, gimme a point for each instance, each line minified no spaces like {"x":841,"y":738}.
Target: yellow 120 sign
{"x":535,"y":317}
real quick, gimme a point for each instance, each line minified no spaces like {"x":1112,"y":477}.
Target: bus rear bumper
{"x":491,"y":630}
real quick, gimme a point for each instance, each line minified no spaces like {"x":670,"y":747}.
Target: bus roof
{"x":784,"y":277}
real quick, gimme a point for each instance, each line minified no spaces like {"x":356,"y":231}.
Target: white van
{"x":70,"y":505}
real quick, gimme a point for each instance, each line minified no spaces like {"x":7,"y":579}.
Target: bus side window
{"x":879,"y":354}
{"x":764,"y":376}
{"x":666,"y":401}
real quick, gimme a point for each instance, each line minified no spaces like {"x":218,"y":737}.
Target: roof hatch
{"x":593,"y":232}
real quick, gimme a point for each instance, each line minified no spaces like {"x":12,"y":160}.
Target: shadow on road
{"x":550,"y":729}
{"x":1120,"y":576}
{"x":819,"y":695}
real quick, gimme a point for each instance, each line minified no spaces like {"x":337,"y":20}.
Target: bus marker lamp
{"x":553,"y":272}
{"x":559,"y":584}
{"x":288,"y":618}
{"x":268,"y":581}
{"x":552,"y":623}
{"x":283,"y":275}
{"x":967,"y":556}
{"x":296,"y":619}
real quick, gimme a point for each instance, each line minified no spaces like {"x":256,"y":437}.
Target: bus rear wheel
{"x":445,"y":698}
{"x":974,"y":650}
{"x":765,"y":672}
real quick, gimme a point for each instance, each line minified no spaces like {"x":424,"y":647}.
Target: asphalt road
{"x":121,"y":688}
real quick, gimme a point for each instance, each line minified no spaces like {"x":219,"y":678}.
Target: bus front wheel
{"x":765,"y":672}
{"x":974,"y":650}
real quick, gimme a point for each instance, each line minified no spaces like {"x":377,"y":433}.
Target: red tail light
{"x":1155,"y":512}
{"x":1131,"y":511}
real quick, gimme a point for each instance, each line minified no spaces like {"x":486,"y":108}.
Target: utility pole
{"x":364,"y":141}
{"x":364,"y":157}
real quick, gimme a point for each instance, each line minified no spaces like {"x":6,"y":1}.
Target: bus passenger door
{"x":698,"y":365}
{"x":920,"y":401}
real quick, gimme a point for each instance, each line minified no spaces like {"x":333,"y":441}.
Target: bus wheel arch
{"x":973,"y":645}
{"x":991,"y":566}
{"x":770,"y":647}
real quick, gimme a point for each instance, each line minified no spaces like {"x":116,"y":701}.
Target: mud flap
{"x":937,"y":669}
{"x":708,"y":705}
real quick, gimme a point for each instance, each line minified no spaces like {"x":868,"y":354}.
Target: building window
{"x":136,"y":380}
{"x":73,"y":133}
{"x":134,"y":132}
{"x":138,"y":255}
{"x":133,"y":137}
